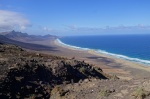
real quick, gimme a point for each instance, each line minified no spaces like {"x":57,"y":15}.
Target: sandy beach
{"x":132,"y":75}
{"x":112,"y":65}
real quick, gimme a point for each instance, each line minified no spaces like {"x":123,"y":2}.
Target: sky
{"x":75,"y":17}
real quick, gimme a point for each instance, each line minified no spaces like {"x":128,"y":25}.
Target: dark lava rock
{"x":30,"y":75}
{"x":25,"y":81}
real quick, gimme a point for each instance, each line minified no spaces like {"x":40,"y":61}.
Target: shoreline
{"x":110,"y":64}
{"x":119,"y":56}
{"x":124,"y":69}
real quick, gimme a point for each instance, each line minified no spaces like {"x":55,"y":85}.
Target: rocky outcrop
{"x":33,"y":75}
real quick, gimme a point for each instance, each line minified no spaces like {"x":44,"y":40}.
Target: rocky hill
{"x":33,"y":75}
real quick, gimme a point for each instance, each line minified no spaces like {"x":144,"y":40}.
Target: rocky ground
{"x":34,"y":75}
{"x":104,"y":89}
{"x":25,"y":74}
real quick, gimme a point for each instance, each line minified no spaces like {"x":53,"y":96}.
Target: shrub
{"x":140,"y":93}
{"x":106,"y":92}
{"x":82,"y":69}
{"x":59,"y":90}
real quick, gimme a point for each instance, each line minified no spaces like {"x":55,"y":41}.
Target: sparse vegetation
{"x":114,"y":77}
{"x":140,"y":93}
{"x":59,"y":90}
{"x":105,"y":92}
{"x":82,"y":69}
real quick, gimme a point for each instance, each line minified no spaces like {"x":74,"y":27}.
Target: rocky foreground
{"x":34,"y":75}
{"x":24,"y":74}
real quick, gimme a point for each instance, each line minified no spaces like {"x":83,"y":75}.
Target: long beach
{"x":123,"y":68}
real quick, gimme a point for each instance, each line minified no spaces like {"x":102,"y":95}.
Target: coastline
{"x":109,"y":64}
{"x":124,"y":69}
{"x":136,"y":60}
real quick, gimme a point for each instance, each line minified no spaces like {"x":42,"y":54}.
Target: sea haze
{"x":130,"y":47}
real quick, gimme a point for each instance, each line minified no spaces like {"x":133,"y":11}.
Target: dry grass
{"x":82,"y":69}
{"x":140,"y":93}
{"x":105,"y":92}
{"x":59,"y":90}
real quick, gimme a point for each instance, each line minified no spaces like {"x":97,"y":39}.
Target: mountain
{"x":5,"y":40}
{"x":24,"y":37}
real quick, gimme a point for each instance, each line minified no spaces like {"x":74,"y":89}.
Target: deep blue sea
{"x":130,"y":47}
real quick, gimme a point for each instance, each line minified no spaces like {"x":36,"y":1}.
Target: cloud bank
{"x":10,"y":20}
{"x":121,"y":29}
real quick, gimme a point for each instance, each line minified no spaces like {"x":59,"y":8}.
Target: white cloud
{"x":12,"y":20}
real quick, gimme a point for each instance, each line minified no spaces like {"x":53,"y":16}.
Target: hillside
{"x":35,"y":75}
{"x":38,"y":47}
{"x":26,"y":74}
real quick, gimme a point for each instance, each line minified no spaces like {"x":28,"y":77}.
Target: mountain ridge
{"x":24,"y":37}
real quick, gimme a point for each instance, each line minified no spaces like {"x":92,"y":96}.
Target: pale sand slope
{"x":112,"y":65}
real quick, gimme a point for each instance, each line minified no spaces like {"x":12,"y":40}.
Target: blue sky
{"x":75,"y":17}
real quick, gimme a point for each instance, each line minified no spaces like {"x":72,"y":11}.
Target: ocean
{"x":129,"y":47}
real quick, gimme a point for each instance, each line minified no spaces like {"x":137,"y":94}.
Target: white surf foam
{"x":137,"y":60}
